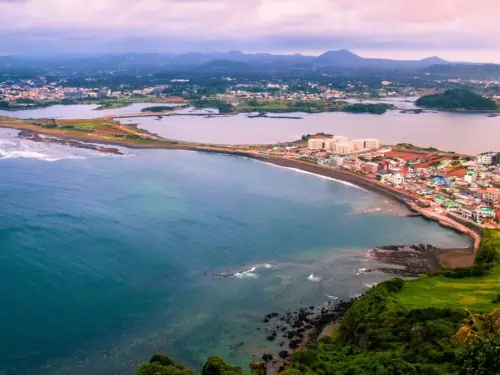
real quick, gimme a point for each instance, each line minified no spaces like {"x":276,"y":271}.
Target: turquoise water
{"x":102,"y":259}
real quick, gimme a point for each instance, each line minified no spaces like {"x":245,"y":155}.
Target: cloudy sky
{"x":464,"y":30}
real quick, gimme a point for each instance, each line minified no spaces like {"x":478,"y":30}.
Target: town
{"x":446,"y":184}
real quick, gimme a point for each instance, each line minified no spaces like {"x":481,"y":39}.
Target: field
{"x":100,"y":129}
{"x":473,"y":293}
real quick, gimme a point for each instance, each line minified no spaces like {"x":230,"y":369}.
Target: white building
{"x":488,"y":158}
{"x":359,"y":144}
{"x":344,"y":148}
{"x":366,"y":144}
{"x":396,"y":179}
{"x":470,"y":177}
{"x":329,"y":144}
{"x":339,"y":138}
{"x":315,"y":144}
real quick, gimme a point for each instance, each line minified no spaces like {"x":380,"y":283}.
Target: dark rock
{"x":284,"y":354}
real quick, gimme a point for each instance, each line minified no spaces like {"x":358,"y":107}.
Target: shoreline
{"x":371,"y":185}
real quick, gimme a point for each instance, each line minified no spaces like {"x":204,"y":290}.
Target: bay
{"x":103,"y":258}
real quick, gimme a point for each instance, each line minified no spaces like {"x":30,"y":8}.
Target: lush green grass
{"x":473,"y":293}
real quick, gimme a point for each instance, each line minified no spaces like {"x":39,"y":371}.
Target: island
{"x":158,"y":108}
{"x":457,"y":100}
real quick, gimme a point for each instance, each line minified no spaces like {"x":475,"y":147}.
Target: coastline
{"x":371,"y":185}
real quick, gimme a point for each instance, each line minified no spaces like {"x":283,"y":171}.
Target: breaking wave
{"x":250,"y":273}
{"x":314,"y":279}
{"x":21,"y":150}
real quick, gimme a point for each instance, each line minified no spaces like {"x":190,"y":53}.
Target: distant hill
{"x":346,"y":58}
{"x":342,"y":61}
{"x":342,"y":57}
{"x":457,"y":99}
{"x":471,"y":71}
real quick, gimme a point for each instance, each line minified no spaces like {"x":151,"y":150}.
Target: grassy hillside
{"x":411,"y":327}
{"x":473,"y":293}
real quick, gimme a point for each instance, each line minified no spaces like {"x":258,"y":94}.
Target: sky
{"x":459,"y":30}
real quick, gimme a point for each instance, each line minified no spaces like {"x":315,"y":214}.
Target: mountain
{"x":345,"y":58}
{"x":338,"y":58}
{"x":342,"y":59}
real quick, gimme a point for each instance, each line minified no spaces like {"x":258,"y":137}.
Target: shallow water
{"x":458,"y":132}
{"x":77,"y":111}
{"x":465,"y":133}
{"x":103,"y":257}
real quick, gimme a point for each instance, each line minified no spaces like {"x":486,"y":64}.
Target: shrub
{"x":217,"y":366}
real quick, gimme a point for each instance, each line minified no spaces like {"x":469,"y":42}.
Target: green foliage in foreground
{"x":459,"y":99}
{"x":164,"y":365}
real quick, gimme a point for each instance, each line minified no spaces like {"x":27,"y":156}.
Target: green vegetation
{"x":158,"y":108}
{"x":164,"y":365}
{"x":411,"y":327}
{"x":457,"y":99}
{"x":306,"y":137}
{"x":221,"y":105}
{"x":377,"y":109}
{"x":444,"y":323}
{"x":113,"y":104}
{"x":313,"y":106}
{"x":474,"y":292}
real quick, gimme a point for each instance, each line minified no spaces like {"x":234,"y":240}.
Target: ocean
{"x":103,"y":259}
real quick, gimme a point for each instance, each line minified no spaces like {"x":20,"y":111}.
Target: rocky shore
{"x":298,"y":329}
{"x":36,"y":137}
{"x":413,"y":260}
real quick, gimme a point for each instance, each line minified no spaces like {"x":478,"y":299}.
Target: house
{"x":466,"y":212}
{"x":470,"y":177}
{"x":396,"y":179}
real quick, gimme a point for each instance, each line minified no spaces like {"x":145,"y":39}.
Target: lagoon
{"x":468,"y":133}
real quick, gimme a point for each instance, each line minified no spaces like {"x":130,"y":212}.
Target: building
{"x":492,"y":196}
{"x":74,"y":95}
{"x":470,"y":177}
{"x":396,"y":179}
{"x":366,"y":144}
{"x":336,"y":161}
{"x":344,"y":148}
{"x":370,"y":167}
{"x":484,"y":213}
{"x":466,"y":212}
{"x":329,"y":144}
{"x":339,"y":138}
{"x":315,"y":144}
{"x":488,"y":158}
